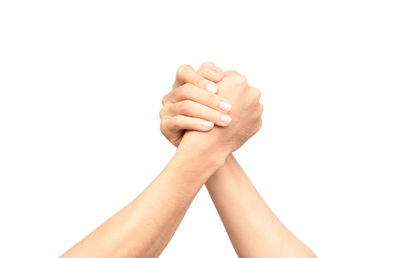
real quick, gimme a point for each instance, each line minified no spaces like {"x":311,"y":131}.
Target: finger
{"x":255,"y":93}
{"x":230,"y":72}
{"x":186,"y":74}
{"x":194,"y":109}
{"x":181,"y":122}
{"x":166,"y":111}
{"x":211,"y":72}
{"x":190,"y":92}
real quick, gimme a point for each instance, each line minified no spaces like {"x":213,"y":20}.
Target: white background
{"x":80,"y":90}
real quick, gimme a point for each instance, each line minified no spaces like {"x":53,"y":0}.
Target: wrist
{"x":198,"y":145}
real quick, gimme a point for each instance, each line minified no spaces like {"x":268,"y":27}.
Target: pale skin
{"x":253,"y":228}
{"x":145,"y":226}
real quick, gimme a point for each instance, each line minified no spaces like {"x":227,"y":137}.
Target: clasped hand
{"x":208,"y":114}
{"x":211,"y":109}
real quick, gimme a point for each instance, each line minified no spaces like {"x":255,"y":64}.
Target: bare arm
{"x":144,"y":227}
{"x":253,"y":228}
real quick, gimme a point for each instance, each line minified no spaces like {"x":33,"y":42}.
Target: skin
{"x":252,"y":227}
{"x":145,"y":226}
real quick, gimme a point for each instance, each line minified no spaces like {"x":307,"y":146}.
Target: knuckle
{"x":220,"y":69}
{"x":175,"y":121}
{"x":200,"y":81}
{"x":207,"y":64}
{"x":213,"y":115}
{"x":216,"y":115}
{"x":178,"y":122}
{"x":240,"y":79}
{"x":164,"y":110}
{"x":178,"y":107}
{"x":164,"y":99}
{"x":182,"y":70}
{"x":259,"y":124}
{"x":231,"y":72}
{"x":257,"y":93}
{"x":254,"y":95}
{"x":163,"y":125}
{"x":213,"y":100}
{"x":261,"y":108}
{"x":184,"y":107}
{"x":184,"y":91}
{"x":168,"y":124}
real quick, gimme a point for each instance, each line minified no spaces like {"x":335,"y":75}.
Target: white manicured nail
{"x":211,"y":88}
{"x":208,"y":124}
{"x":225,"y":106}
{"x":225,"y":119}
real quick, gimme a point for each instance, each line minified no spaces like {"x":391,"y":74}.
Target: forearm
{"x":144,"y":227}
{"x":251,"y":225}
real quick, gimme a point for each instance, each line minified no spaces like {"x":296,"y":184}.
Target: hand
{"x":246,"y":118}
{"x":192,"y":103}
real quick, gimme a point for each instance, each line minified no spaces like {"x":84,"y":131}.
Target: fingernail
{"x":225,"y":106}
{"x":225,"y":119}
{"x":211,"y":88}
{"x":208,"y":124}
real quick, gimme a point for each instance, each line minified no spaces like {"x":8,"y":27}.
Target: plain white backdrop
{"x":80,"y":90}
